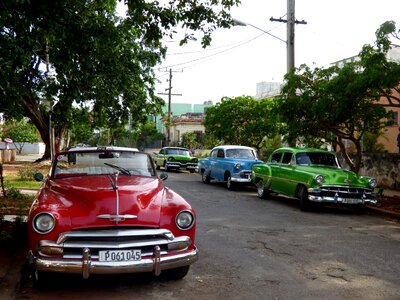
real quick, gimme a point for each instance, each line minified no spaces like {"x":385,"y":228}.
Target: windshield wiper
{"x":121,"y":169}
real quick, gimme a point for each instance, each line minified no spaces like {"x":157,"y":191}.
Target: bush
{"x":27,"y":173}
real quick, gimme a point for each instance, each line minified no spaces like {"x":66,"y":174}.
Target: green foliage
{"x":20,"y":132}
{"x":370,"y":143}
{"x":190,"y":140}
{"x":94,"y":57}
{"x":241,"y":121}
{"x":336,"y":104}
{"x":26,"y":173}
{"x":147,"y":134}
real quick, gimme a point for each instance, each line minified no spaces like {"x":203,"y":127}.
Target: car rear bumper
{"x":86,"y":265}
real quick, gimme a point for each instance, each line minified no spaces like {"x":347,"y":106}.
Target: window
{"x":276,"y":157}
{"x":220,"y":153}
{"x":287,"y":157}
{"x":395,"y":118}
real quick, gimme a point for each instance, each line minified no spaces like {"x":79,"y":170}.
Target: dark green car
{"x":312,"y":176}
{"x":176,"y":158}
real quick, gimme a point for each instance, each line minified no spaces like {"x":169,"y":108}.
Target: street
{"x":259,"y":249}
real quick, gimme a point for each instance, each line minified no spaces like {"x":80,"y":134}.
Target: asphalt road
{"x":260,"y":249}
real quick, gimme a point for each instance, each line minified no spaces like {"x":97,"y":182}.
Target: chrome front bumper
{"x":87,"y":265}
{"x":181,"y":165}
{"x":242,"y":177}
{"x":342,"y":195}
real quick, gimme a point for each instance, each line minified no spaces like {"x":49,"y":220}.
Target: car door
{"x":216,"y":164}
{"x":287,"y":174}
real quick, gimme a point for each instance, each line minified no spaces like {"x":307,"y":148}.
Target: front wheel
{"x":177,"y":273}
{"x":204,"y":177}
{"x":262,"y":192}
{"x":166,"y":167}
{"x":229,"y":183}
{"x":305,"y":204}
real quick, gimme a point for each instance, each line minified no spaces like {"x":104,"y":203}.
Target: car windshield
{"x":240,"y":153}
{"x":177,"y":151}
{"x":82,"y":163}
{"x":316,"y":158}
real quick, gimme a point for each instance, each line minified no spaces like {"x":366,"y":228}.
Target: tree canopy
{"x":241,"y":121}
{"x":336,"y":104}
{"x":56,"y":55}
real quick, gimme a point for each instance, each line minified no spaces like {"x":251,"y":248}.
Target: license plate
{"x":120,"y":255}
{"x":351,"y":201}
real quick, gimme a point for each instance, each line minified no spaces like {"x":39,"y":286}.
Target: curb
{"x":384,"y":212}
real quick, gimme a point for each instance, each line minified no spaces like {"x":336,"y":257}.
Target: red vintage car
{"x":105,"y":210}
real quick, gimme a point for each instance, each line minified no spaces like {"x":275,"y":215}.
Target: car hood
{"x":335,"y":176}
{"x":92,"y":201}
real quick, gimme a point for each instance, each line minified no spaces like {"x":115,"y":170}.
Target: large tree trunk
{"x":40,"y":119}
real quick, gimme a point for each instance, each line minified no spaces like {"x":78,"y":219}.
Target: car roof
{"x":299,"y":150}
{"x":101,"y":148}
{"x":179,"y":148}
{"x":226,"y":147}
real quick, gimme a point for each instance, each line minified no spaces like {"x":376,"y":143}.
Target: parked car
{"x":176,"y":158}
{"x":104,"y":211}
{"x":313,"y":176}
{"x":229,"y":163}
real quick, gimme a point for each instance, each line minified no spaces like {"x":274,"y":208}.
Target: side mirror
{"x":38,"y":177}
{"x":164,"y":176}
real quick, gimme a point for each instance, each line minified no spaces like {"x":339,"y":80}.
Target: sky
{"x":240,"y":57}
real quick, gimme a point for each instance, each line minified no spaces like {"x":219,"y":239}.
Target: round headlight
{"x":44,"y":223}
{"x":372,"y":183}
{"x":195,"y":160}
{"x":319,"y":179}
{"x":237,"y":166}
{"x":184,"y":220}
{"x":171,"y":158}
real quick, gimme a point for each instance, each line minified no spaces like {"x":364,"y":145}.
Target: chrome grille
{"x":74,"y":242}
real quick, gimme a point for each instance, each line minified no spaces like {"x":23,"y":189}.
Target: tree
{"x":61,"y":54}
{"x":20,"y":132}
{"x":338,"y":104}
{"x":190,"y":140}
{"x":241,"y":121}
{"x":147,"y":135}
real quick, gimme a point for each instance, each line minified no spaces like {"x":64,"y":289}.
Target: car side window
{"x":213,"y":154}
{"x":220,"y":153}
{"x":287,"y":157}
{"x":162,"y":151}
{"x":276,"y":157}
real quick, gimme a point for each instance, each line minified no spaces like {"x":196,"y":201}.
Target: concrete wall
{"x":7,"y":155}
{"x":28,"y":148}
{"x":384,"y":167}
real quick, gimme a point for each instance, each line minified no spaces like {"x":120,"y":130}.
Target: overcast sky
{"x":242,"y":56}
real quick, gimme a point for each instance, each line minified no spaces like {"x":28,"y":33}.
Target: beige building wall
{"x":178,"y":128}
{"x":389,"y":138}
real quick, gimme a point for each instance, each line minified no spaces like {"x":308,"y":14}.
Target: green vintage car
{"x":312,"y":176}
{"x":175,"y":158}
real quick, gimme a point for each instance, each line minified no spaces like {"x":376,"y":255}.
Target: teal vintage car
{"x":175,"y":158}
{"x":312,"y":176}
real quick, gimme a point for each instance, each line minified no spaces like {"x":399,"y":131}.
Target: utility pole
{"x":291,"y":21}
{"x":170,"y":94}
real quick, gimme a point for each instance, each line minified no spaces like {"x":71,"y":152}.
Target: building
{"x":267,"y":89}
{"x":185,"y":117}
{"x":189,"y":122}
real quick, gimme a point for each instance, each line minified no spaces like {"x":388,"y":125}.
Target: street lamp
{"x":241,"y":23}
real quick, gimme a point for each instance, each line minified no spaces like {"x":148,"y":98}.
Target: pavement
{"x":11,"y":269}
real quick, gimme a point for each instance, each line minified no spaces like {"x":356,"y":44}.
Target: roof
{"x":101,"y":148}
{"x":179,"y":148}
{"x":298,"y":149}
{"x":226,"y":147}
